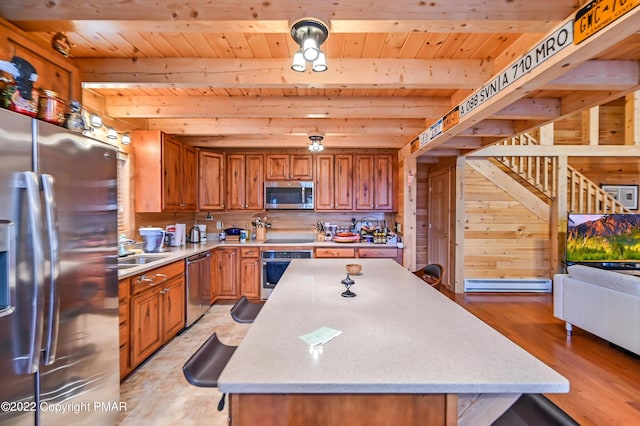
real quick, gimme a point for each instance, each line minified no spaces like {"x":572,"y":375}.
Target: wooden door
{"x":213,"y":265}
{"x":211,"y":181}
{"x":439,"y":219}
{"x":383,"y":182}
{"x":173,"y":307}
{"x":324,"y":190}
{"x":250,"y":277}
{"x":171,"y":174}
{"x":254,"y":184}
{"x":301,"y":167}
{"x":227,"y":272}
{"x":235,"y":182}
{"x":277,"y":166}
{"x":189,"y":180}
{"x":146,"y":321}
{"x":364,"y":165}
{"x":343,"y":186}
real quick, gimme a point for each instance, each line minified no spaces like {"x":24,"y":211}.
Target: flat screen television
{"x":610,"y":241}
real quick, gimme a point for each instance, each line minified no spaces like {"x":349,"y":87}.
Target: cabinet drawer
{"x":335,"y":252}
{"x":378,"y":252}
{"x":250,"y":252}
{"x":156,"y":276}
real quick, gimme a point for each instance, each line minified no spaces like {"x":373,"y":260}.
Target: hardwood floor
{"x":604,"y":380}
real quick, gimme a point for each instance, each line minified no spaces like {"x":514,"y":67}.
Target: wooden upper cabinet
{"x":211,"y":181}
{"x":289,"y":166}
{"x":245,"y":181}
{"x":166,"y":173}
{"x":334,"y":182}
{"x":374,"y":181}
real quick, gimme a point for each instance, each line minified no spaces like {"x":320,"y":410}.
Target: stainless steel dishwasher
{"x":198,"y":286}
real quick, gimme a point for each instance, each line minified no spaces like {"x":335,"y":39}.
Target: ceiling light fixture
{"x":111,"y":133}
{"x":95,"y":120}
{"x":316,"y":143}
{"x":126,"y":139}
{"x":309,"y":33}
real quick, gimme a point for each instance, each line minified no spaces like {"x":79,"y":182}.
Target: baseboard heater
{"x":515,"y":285}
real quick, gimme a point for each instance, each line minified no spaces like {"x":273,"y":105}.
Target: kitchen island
{"x":406,"y":355}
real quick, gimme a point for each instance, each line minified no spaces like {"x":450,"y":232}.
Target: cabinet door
{"x":277,"y":166}
{"x":383,"y":182}
{"x":227,"y":272}
{"x":171,"y":174}
{"x":211,"y":181}
{"x":173,"y":307}
{"x":146,"y":321}
{"x":324,"y":190}
{"x":189,"y":178}
{"x":364,"y":164}
{"x":254,"y":186}
{"x":301,"y":167}
{"x":343,"y":187}
{"x":214,"y":275}
{"x":235,"y":182}
{"x":250,"y":278}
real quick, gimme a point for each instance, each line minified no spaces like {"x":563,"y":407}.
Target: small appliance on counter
{"x":194,"y":234}
{"x":176,"y":234}
{"x":153,"y":239}
{"x":203,"y":233}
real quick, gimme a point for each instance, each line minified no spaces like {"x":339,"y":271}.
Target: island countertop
{"x":398,"y":336}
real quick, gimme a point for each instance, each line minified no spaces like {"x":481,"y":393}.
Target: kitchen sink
{"x":139,"y":259}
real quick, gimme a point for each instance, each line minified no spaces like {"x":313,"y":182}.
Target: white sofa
{"x":605,"y":303}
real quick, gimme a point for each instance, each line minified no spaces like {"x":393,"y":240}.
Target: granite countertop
{"x":173,"y":254}
{"x":398,"y":336}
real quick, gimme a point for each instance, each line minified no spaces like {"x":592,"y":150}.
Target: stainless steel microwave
{"x":288,"y":195}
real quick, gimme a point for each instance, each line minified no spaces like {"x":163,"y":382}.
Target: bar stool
{"x":431,"y":274}
{"x":244,"y":311}
{"x":204,"y":367}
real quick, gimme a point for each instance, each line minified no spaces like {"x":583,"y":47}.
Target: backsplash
{"x":281,"y":221}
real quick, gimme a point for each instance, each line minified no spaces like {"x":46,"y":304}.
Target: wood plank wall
{"x":502,"y":239}
{"x":422,"y":217}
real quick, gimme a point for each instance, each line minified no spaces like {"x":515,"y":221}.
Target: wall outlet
{"x":208,"y":217}
{"x":218,"y":225}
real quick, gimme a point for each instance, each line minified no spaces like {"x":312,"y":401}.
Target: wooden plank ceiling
{"x":218,"y":73}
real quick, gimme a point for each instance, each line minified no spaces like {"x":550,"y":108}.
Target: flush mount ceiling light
{"x":111,"y":133}
{"x":316,"y":143}
{"x":309,"y":33}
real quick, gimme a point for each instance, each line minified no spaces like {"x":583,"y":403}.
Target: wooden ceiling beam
{"x":255,"y":10}
{"x":530,"y":108}
{"x":598,"y":75}
{"x":97,"y":27}
{"x":265,"y":126}
{"x":563,"y":62}
{"x":276,"y":73}
{"x":295,"y":141}
{"x":275,"y":106}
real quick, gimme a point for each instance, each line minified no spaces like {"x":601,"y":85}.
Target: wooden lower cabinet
{"x":157,"y":309}
{"x":357,"y":252}
{"x":250,"y":272}
{"x":124,"y":312}
{"x":225,"y":273}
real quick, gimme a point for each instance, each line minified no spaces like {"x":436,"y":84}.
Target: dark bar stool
{"x":431,"y":274}
{"x":245,"y":311}
{"x":532,"y":410}
{"x":206,"y":364}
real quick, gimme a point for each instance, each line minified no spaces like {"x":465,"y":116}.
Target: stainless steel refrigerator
{"x":58,"y":279}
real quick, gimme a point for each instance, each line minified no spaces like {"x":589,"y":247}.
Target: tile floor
{"x":157,"y":393}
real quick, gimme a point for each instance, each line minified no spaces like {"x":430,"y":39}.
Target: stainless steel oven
{"x":274,"y":263}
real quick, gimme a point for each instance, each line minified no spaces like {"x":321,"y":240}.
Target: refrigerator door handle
{"x":52,"y":319}
{"x":27,"y":349}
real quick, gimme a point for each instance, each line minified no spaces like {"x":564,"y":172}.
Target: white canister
{"x":203,"y":232}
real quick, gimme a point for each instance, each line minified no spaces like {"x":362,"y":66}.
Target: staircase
{"x":540,"y":172}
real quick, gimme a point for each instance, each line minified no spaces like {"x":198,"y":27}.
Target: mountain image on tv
{"x":603,"y":238}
